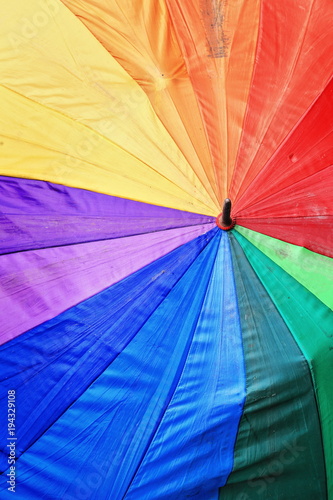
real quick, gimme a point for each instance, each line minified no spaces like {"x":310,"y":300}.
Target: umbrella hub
{"x":224,"y":220}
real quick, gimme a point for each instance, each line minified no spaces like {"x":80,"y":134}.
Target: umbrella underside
{"x":150,"y":354}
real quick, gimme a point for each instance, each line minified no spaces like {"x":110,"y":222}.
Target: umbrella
{"x":155,"y":344}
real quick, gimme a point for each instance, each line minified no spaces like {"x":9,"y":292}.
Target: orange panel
{"x":197,"y":85}
{"x":218,"y":40}
{"x":144,"y":43}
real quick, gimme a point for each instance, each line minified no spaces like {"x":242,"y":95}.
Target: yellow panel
{"x":39,"y":143}
{"x":144,"y":42}
{"x":47,"y":55}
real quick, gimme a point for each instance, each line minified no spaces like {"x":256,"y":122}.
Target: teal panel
{"x":279,"y":453}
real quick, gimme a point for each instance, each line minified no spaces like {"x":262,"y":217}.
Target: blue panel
{"x":53,"y":364}
{"x":191,"y":454}
{"x":95,"y":447}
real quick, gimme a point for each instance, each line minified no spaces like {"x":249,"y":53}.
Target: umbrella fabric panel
{"x":311,"y":324}
{"x":37,"y":214}
{"x":312,"y":270}
{"x":292,"y":68}
{"x":120,"y":412}
{"x":131,"y":375}
{"x":53,"y":364}
{"x":39,"y":284}
{"x":279,"y":439}
{"x":93,"y":93}
{"x":218,"y":41}
{"x":308,"y":197}
{"x":40,"y":143}
{"x":314,"y":234}
{"x":295,"y":170}
{"x":89,"y":86}
{"x":300,"y":214}
{"x":142,"y":38}
{"x":191,"y":454}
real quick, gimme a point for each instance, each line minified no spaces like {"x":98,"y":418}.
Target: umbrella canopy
{"x":147,"y":351}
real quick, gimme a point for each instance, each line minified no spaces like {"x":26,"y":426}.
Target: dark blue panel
{"x":111,"y":425}
{"x":51,"y":365}
{"x":192,"y":452}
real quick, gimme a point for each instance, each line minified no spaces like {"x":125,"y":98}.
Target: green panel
{"x":312,"y":270}
{"x":278,"y":453}
{"x":311,"y":324}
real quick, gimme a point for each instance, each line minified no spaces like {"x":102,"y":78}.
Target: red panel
{"x":310,"y":197}
{"x":293,"y":66}
{"x":298,"y":179}
{"x":314,"y":234}
{"x":301,"y":214}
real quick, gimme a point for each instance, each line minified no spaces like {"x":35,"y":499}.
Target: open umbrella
{"x":152,"y":348}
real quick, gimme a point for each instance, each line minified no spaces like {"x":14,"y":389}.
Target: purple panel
{"x":39,"y":284}
{"x":38,"y":214}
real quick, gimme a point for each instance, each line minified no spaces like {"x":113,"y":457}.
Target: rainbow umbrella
{"x":146,"y":351}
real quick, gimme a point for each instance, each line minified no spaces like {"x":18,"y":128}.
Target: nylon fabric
{"x":300,"y":214}
{"x":312,"y":270}
{"x":308,"y":197}
{"x":200,"y":424}
{"x":218,"y":42}
{"x":69,"y":153}
{"x":299,"y":170}
{"x":311,"y":324}
{"x":37,"y":214}
{"x":292,"y":68}
{"x":312,"y":233}
{"x":40,"y":284}
{"x":279,"y":438}
{"x":113,"y":422}
{"x":52,"y":365}
{"x":154,"y":356}
{"x":143,"y":41}
{"x":91,"y":99}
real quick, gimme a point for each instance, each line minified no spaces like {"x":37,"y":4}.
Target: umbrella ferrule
{"x":224,"y":220}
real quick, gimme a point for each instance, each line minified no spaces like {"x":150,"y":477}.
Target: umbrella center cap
{"x":224,"y":220}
